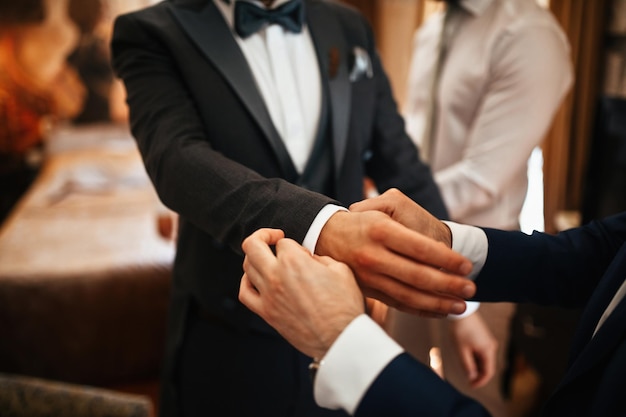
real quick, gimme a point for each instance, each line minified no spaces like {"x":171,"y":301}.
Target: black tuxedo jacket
{"x":214,"y":156}
{"x":580,"y":268}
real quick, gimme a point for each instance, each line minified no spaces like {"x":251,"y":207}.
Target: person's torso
{"x":465,"y":77}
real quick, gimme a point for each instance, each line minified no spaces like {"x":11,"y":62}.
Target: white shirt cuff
{"x":352,"y":363}
{"x":310,"y":239}
{"x":471,"y":242}
{"x":470,"y":308}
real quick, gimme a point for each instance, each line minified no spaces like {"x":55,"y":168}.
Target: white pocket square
{"x":361,"y":64}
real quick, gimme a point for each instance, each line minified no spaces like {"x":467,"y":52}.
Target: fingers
{"x":477,"y":375}
{"x":415,"y":260}
{"x":259,"y":255}
{"x":469,"y":365}
{"x":477,"y":348}
{"x":431,"y":279}
{"x":333,"y":264}
{"x":421,"y":248}
{"x":400,"y":277}
{"x":411,"y":300}
{"x":410,"y":214}
{"x":249,"y":296}
{"x":290,"y":246}
{"x":389,"y":203}
{"x":378,"y":203}
{"x":485,"y":368}
{"x":264,"y":269}
{"x":262,"y":236}
{"x":326,"y":260}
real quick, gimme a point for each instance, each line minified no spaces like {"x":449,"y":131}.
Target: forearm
{"x":216,"y":175}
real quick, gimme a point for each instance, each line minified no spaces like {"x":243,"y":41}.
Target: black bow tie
{"x":250,"y":18}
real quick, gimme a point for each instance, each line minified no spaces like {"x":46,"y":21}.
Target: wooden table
{"x":84,"y":274}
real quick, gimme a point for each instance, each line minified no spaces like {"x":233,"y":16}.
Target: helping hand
{"x":396,"y":265}
{"x":308,"y":299}
{"x":477,"y":348}
{"x":408,"y":213}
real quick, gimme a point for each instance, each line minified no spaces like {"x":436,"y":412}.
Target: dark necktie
{"x":250,"y":18}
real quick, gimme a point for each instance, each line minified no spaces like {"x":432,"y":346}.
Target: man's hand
{"x":475,"y":343}
{"x":308,"y":299}
{"x":407,"y":212}
{"x":396,"y":265}
{"x":477,"y":348}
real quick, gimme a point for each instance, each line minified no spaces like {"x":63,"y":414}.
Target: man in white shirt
{"x":486,"y":79}
{"x":316,"y":304}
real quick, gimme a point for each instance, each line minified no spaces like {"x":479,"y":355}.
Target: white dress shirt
{"x":284,"y":65}
{"x":285,"y":68}
{"x":506,"y":71}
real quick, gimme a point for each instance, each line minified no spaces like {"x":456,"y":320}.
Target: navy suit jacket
{"x":581,"y":268}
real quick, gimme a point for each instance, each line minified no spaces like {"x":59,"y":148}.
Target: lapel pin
{"x":361,"y":64}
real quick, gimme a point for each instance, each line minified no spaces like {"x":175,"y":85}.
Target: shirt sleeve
{"x":313,"y":234}
{"x":353,"y":362}
{"x":470,"y":242}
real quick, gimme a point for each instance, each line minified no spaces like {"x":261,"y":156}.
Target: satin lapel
{"x":329,"y":39}
{"x":602,"y":296}
{"x":210,"y":33}
{"x":587,"y":351}
{"x":608,"y":337}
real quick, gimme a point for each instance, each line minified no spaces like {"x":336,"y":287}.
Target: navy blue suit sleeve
{"x":406,"y":388}
{"x":559,"y":270}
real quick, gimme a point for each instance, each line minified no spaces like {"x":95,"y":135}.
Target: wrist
{"x":332,"y":329}
{"x":442,"y":233}
{"x":327,"y":239}
{"x":354,"y":361}
{"x":327,"y":340}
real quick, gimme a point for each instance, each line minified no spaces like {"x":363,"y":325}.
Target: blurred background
{"x":86,"y":247}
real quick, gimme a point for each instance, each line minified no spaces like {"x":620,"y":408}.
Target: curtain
{"x":567,"y":145}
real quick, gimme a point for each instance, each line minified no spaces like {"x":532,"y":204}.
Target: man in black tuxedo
{"x":254,"y":114}
{"x":317,"y":305}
